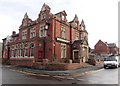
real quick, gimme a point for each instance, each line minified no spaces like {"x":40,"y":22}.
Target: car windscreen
{"x":110,"y":59}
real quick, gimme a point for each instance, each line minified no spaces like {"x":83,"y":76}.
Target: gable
{"x":45,"y":7}
{"x":100,"y":44}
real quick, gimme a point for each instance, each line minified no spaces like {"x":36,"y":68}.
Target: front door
{"x":75,"y":54}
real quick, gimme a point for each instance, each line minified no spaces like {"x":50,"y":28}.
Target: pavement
{"x":74,"y":72}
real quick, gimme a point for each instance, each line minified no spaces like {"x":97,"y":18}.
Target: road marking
{"x":28,"y":73}
{"x":59,"y":76}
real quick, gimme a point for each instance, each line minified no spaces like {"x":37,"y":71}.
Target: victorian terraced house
{"x":49,"y":37}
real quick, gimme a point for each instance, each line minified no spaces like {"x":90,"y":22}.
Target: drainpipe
{"x":71,"y":56}
{"x":54,"y":35}
{"x":44,"y":44}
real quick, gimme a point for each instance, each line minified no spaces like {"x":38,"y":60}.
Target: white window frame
{"x":20,"y":51}
{"x":43,"y":16}
{"x":25,"y":48}
{"x":26,"y":52}
{"x":12,"y":53}
{"x":63,"y":51}
{"x":24,"y":34}
{"x":63,"y":18}
{"x":77,"y":35}
{"x":24,"y":23}
{"x":63,"y":32}
{"x":82,"y":37}
{"x":32,"y":47}
{"x":32,"y":32}
{"x":17,"y":51}
{"x":42,"y":31}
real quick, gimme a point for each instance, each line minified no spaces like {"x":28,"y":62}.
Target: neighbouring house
{"x":50,"y":37}
{"x":103,"y":48}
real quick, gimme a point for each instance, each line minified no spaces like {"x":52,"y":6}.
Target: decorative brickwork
{"x":49,"y":38}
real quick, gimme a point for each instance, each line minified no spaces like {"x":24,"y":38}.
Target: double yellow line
{"x":29,"y":73}
{"x":81,"y":74}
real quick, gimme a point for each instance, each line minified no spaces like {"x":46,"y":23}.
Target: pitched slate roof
{"x":111,"y":45}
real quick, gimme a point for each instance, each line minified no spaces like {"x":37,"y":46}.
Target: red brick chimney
{"x":13,"y":33}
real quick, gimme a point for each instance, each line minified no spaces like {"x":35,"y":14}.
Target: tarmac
{"x":57,"y":73}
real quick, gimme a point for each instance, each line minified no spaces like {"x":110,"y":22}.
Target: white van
{"x":111,"y":61}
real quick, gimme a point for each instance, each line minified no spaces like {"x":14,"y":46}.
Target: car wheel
{"x":104,"y":66}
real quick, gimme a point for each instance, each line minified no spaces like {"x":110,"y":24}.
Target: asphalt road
{"x":102,"y":76}
{"x":13,"y":77}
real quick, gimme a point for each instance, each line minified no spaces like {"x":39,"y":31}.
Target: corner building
{"x":49,"y":37}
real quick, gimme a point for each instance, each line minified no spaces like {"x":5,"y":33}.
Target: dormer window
{"x":63,"y":17}
{"x":43,"y":16}
{"x":82,"y":36}
{"x":24,"y":23}
{"x":76,"y":24}
{"x":77,"y":35}
{"x":82,"y":28}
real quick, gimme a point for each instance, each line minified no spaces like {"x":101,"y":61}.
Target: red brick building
{"x":49,"y":37}
{"x":104,"y":48}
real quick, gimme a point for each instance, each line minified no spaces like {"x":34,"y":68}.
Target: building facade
{"x":103,"y":48}
{"x":50,"y":37}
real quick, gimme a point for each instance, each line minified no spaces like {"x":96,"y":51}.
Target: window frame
{"x":43,"y":31}
{"x":24,"y":34}
{"x":43,"y":16}
{"x":76,"y":35}
{"x":32,"y":32}
{"x":32,"y":52}
{"x":63,"y":51}
{"x":63,"y":32}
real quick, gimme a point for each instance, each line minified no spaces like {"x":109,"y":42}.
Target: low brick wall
{"x":38,"y":65}
{"x":95,"y":62}
{"x":57,"y":66}
{"x":63,"y":66}
{"x":21,"y":61}
{"x":3,"y":61}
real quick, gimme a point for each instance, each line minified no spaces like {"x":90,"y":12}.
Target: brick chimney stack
{"x":13,"y":33}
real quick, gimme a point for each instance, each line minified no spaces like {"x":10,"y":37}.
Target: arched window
{"x":20,"y":51}
{"x":63,"y":50}
{"x":17,"y":51}
{"x":43,"y":16}
{"x":26,"y":50}
{"x":12,"y":53}
{"x":32,"y":50}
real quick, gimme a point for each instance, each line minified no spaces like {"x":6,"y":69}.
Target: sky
{"x":100,"y":16}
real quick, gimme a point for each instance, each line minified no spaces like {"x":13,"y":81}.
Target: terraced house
{"x":49,"y":38}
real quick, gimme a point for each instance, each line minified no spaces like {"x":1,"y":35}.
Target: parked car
{"x":111,"y":61}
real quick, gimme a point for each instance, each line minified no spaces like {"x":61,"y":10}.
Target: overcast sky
{"x":100,"y":16}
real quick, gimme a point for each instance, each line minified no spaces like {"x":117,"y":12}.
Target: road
{"x":102,"y":76}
